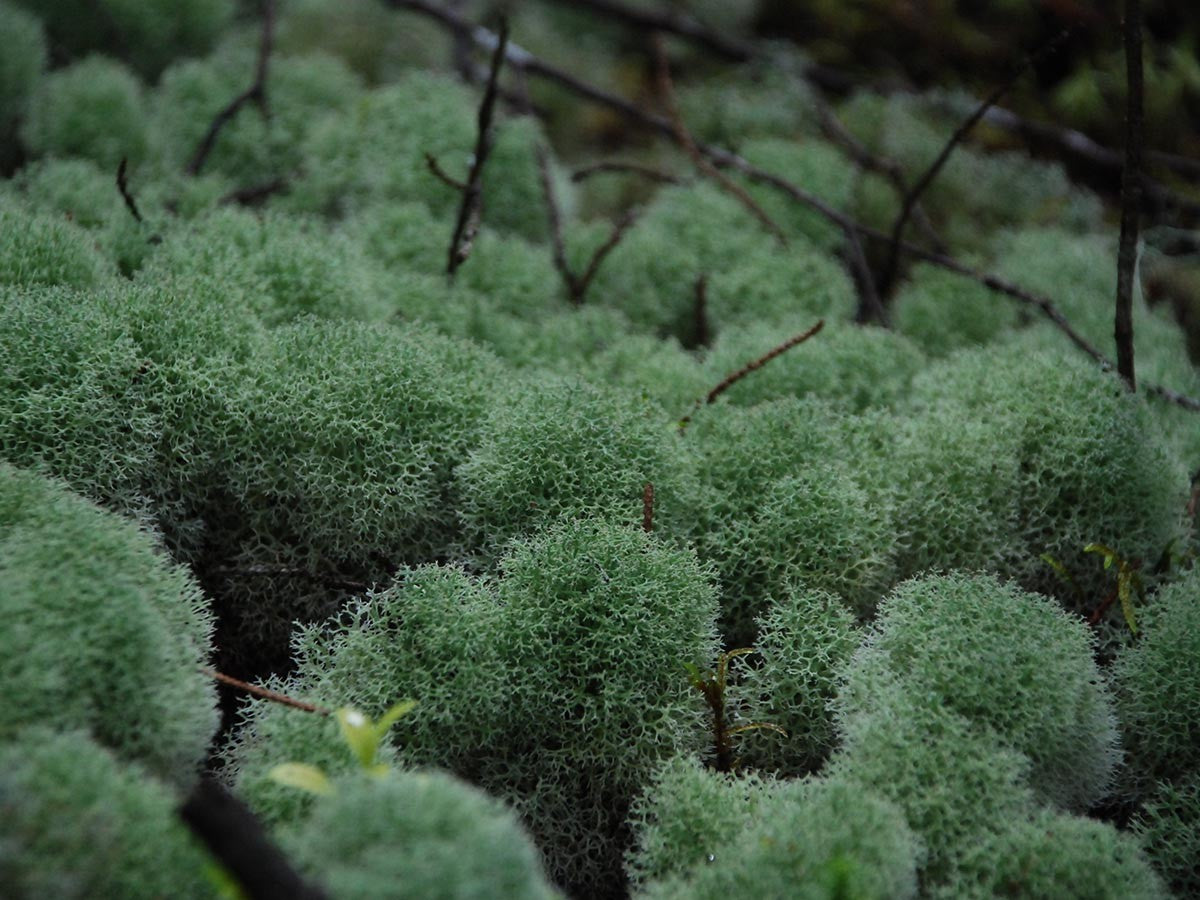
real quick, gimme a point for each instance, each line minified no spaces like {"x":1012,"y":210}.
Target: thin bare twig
{"x":612,"y":165}
{"x":256,"y":93}
{"x":576,"y":285}
{"x":700,"y":310}
{"x":684,"y":138}
{"x":521,"y":58}
{"x":265,"y":693}
{"x":123,"y":187}
{"x":914,"y":194}
{"x":670,"y":23}
{"x":734,"y":377}
{"x":1130,"y":192}
{"x":648,"y":508}
{"x":442,"y":175}
{"x":254,"y":194}
{"x":470,"y":211}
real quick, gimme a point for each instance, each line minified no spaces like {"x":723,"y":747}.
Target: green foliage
{"x":818,"y":168}
{"x":687,"y":815}
{"x":149,"y":33}
{"x":777,"y":506}
{"x":1168,"y":827}
{"x":686,"y":232}
{"x":93,"y":108}
{"x":773,"y":287}
{"x":942,"y":312}
{"x":104,"y":633}
{"x":279,"y":267}
{"x":1038,"y":690}
{"x":250,"y":149}
{"x":43,"y":249}
{"x":852,"y":366}
{"x":431,"y":636}
{"x":416,"y":835}
{"x":555,"y":447}
{"x":1157,"y":686}
{"x":598,"y":620}
{"x":952,"y":779}
{"x":804,"y":640}
{"x":1068,"y":457}
{"x":1051,"y":855}
{"x":79,"y":823}
{"x":814,"y":839}
{"x":23,"y":62}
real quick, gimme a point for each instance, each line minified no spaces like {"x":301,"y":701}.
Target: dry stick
{"x":265,"y":693}
{"x":256,"y":93}
{"x":671,"y":23}
{"x":238,"y":840}
{"x":700,"y":292}
{"x":684,"y":138}
{"x":577,"y":285}
{"x":910,"y":200}
{"x":612,"y":165}
{"x":834,"y":130}
{"x":731,"y":379}
{"x":442,"y":175}
{"x":471,"y":209}
{"x":1130,"y":192}
{"x":648,"y":508}
{"x":254,"y":193}
{"x":123,"y":187}
{"x":521,"y":58}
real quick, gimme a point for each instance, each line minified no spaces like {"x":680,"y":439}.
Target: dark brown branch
{"x":265,"y":693}
{"x":123,"y":187}
{"x":577,"y":285}
{"x":254,"y":194}
{"x":683,"y":137}
{"x":734,"y":377}
{"x":633,"y":168}
{"x":648,"y":508}
{"x":470,"y":211}
{"x":670,"y":23}
{"x":256,"y":93}
{"x":442,"y":175}
{"x":914,"y":194}
{"x":236,"y":839}
{"x":1130,"y":192}
{"x":700,"y":314}
{"x":523,"y":59}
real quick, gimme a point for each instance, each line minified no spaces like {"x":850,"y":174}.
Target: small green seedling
{"x":362,"y":735}
{"x":1129,"y":580}
{"x":712,"y":685}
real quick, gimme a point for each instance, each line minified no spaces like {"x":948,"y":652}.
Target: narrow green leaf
{"x":359,"y":732}
{"x":302,"y":776}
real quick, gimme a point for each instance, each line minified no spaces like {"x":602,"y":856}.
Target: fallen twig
{"x":265,"y":693}
{"x":611,"y":165}
{"x":648,"y":508}
{"x":442,"y":175}
{"x":123,"y":187}
{"x":236,"y":838}
{"x":914,"y":194}
{"x":576,"y":285}
{"x":670,"y":23}
{"x":1130,"y":192}
{"x":731,"y":379}
{"x":684,"y":138}
{"x":470,"y":211}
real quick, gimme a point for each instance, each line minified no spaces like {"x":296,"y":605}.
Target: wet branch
{"x":1130,"y":192}
{"x":256,"y":93}
{"x":470,"y":211}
